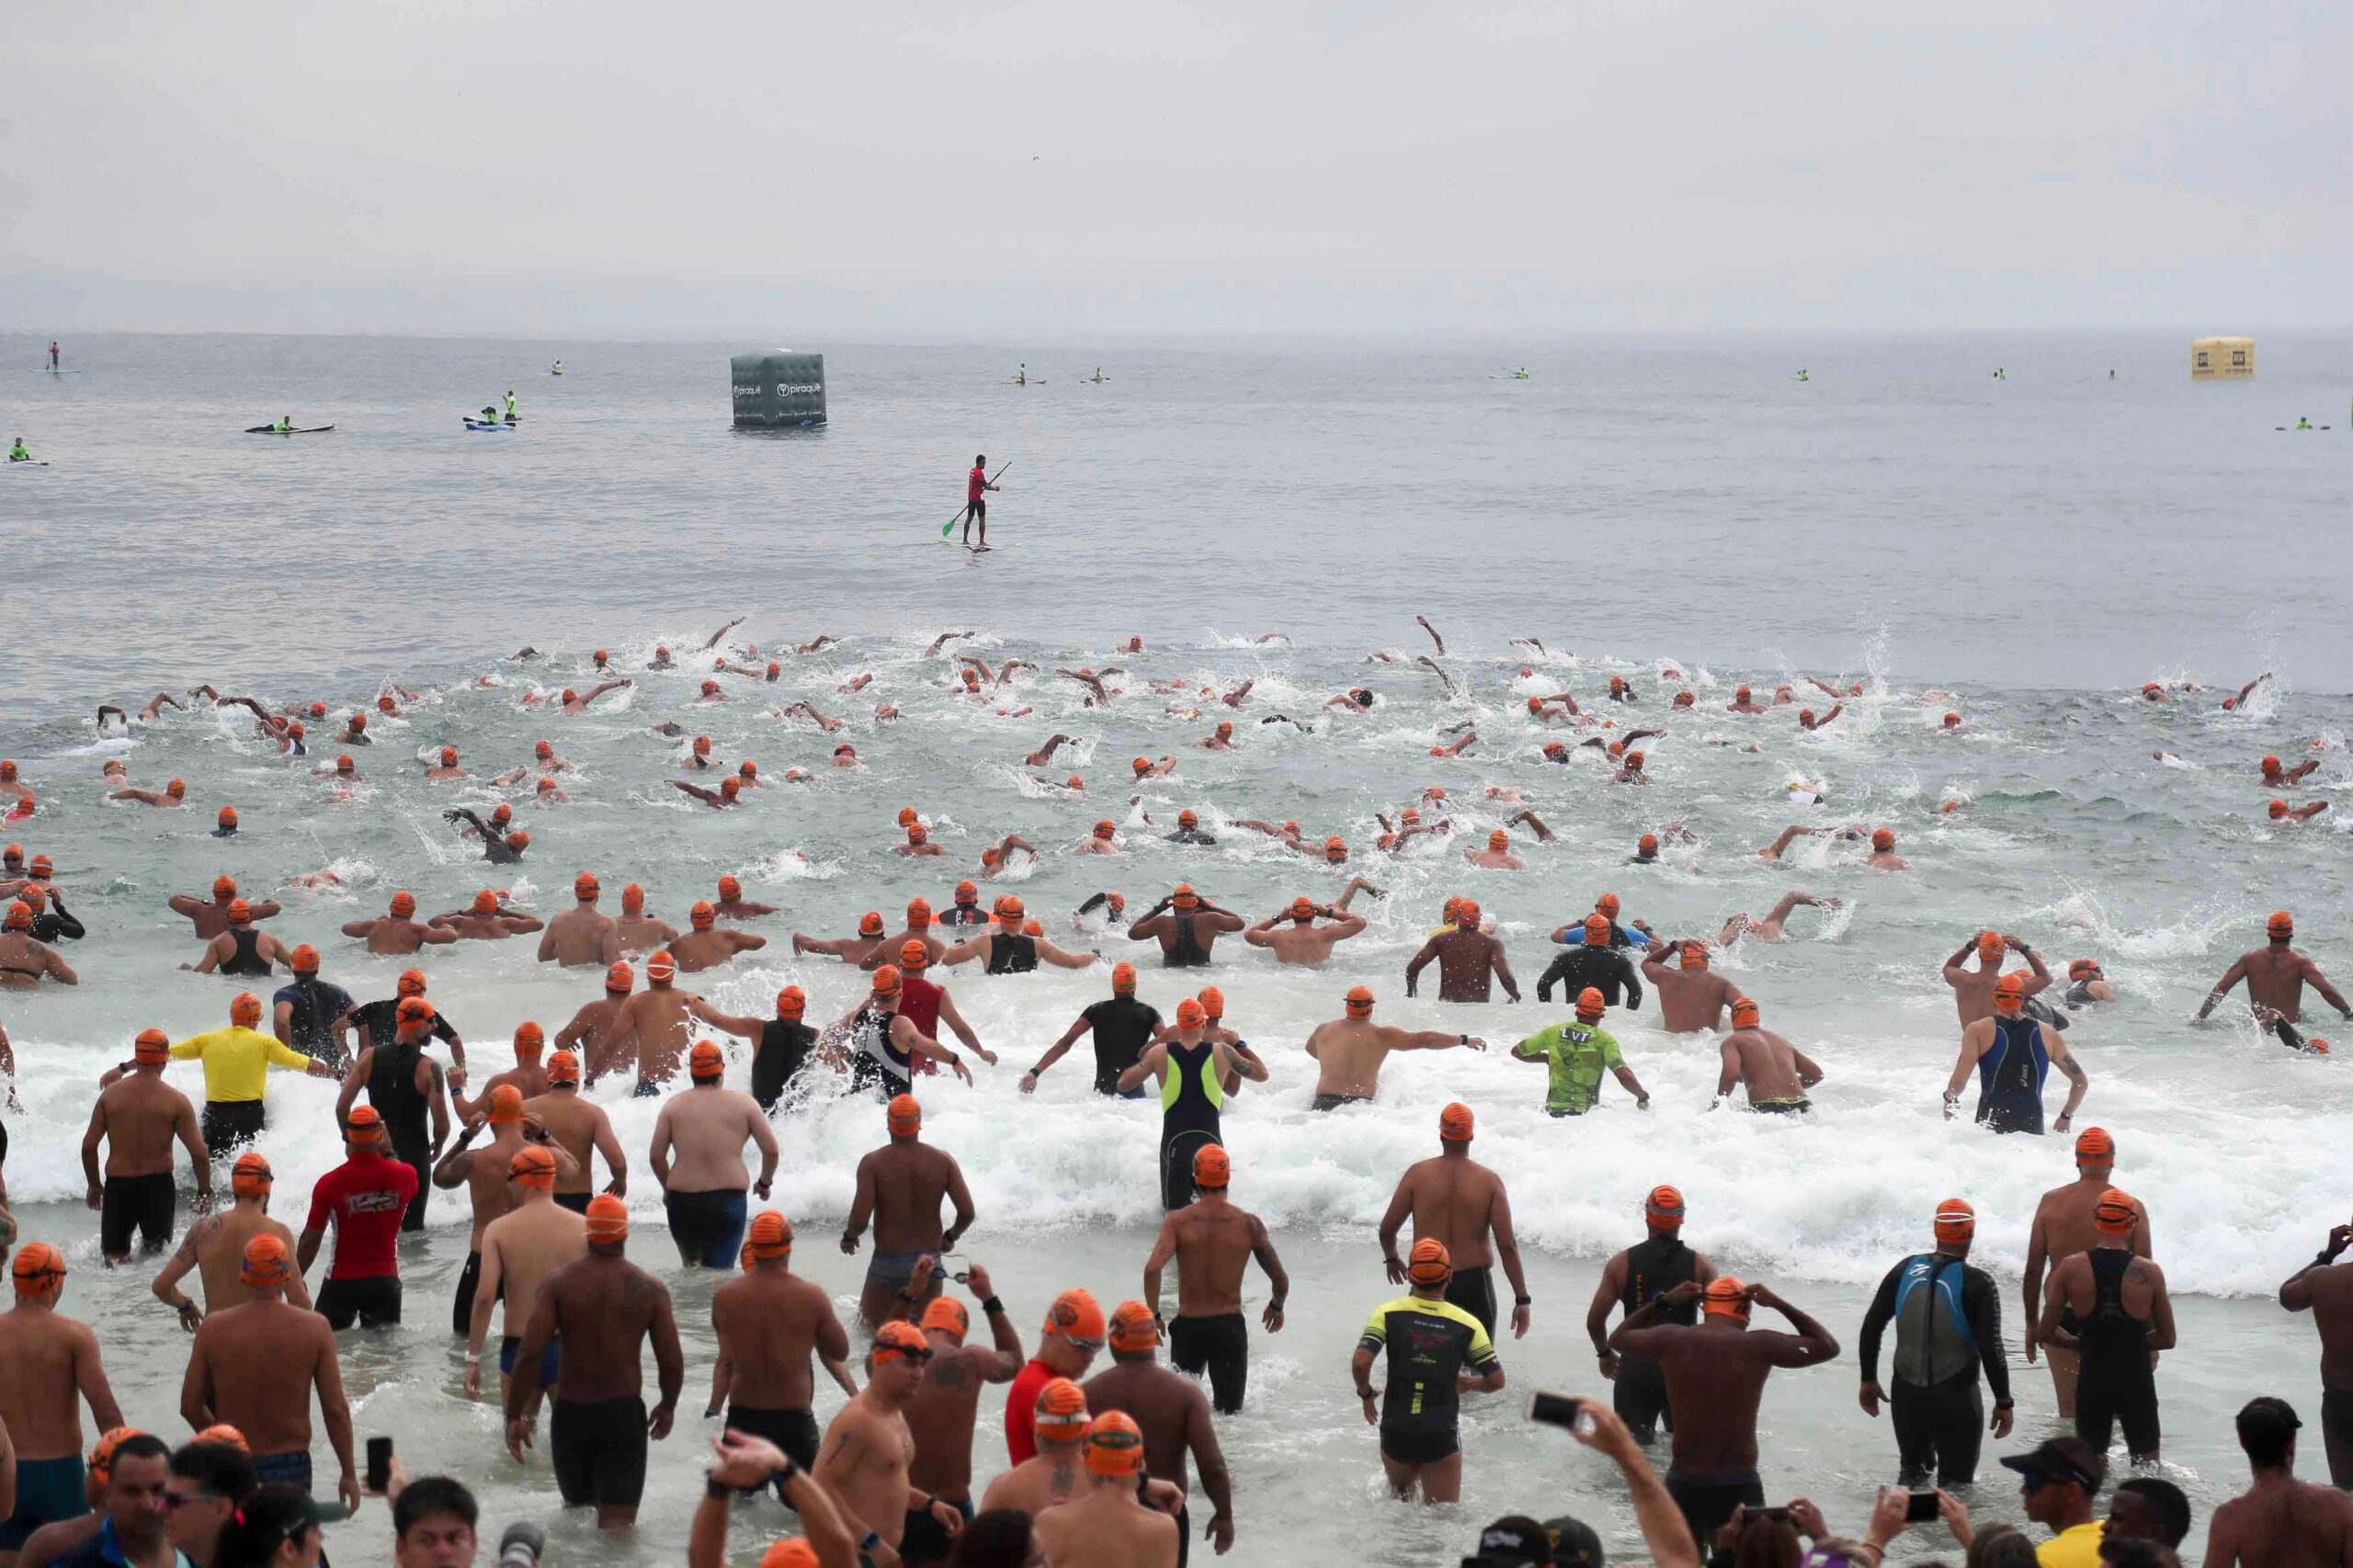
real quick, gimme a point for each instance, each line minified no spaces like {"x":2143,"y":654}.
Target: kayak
{"x":297,"y":430}
{"x":45,"y":370}
{"x":478,"y":424}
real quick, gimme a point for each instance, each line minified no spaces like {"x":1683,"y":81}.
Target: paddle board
{"x":297,"y":430}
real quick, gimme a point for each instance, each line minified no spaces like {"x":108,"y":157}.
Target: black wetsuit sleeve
{"x":1875,"y":1321}
{"x":1554,"y":973}
{"x":1982,"y":1302}
{"x":441,"y":1029}
{"x":1633,"y":981}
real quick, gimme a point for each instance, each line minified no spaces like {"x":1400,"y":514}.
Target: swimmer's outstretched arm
{"x":1424,"y":622}
{"x":1543,"y":835}
{"x":708,"y":646}
{"x":1432,"y":665}
{"x":940,"y":641}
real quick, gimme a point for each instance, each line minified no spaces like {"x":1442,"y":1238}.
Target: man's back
{"x":37,"y":1390}
{"x":2275,"y":979}
{"x":218,"y":1243}
{"x":531,"y":1243}
{"x":572,"y":1121}
{"x":1715,"y":1380}
{"x":1454,"y":1199}
{"x":264,"y":1356}
{"x":1166,"y":1404}
{"x":1215,"y":1243}
{"x":767,"y":1323}
{"x":578,"y":936}
{"x":910,"y":1180}
{"x":707,"y":1130}
{"x":141,"y":1114}
{"x":604,"y":1308}
{"x":2282,"y":1523}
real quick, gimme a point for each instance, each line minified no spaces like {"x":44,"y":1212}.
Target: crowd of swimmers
{"x":1103,"y":1469}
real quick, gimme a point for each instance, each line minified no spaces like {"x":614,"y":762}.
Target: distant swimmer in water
{"x":497,"y":850}
{"x":1630,"y":772}
{"x":174,"y":794}
{"x":576,"y":702}
{"x":2086,"y":982}
{"x":996,"y":860}
{"x":1223,"y":740}
{"x":2012,"y":1055}
{"x":1742,"y":703}
{"x":1466,"y":958}
{"x":2230,"y":704}
{"x":976,"y":504}
{"x":872,"y":938}
{"x":2276,"y":976}
{"x":1883,"y":857}
{"x":1806,"y":719}
{"x":1013,"y":947}
{"x":918,"y":842}
{"x":1496,"y":856}
{"x":2276,"y":776}
{"x":1186,"y":927}
{"x":241,"y":950}
{"x":1103,"y":839}
{"x":485,"y":920}
{"x":1770,"y":928}
{"x":2287,"y":815}
{"x":1349,"y":1051}
{"x":1356,"y":700}
{"x":1690,"y":998}
{"x":1775,"y":1074}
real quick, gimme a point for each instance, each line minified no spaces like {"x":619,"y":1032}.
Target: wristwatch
{"x":871,"y":1540}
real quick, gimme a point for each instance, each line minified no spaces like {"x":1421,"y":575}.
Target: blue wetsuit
{"x":2009,"y":1077}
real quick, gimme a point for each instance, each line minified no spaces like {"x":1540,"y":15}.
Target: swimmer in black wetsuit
{"x":241,"y":950}
{"x":1122,"y":1026}
{"x":55,"y":922}
{"x":309,"y":1015}
{"x":1948,"y":1318}
{"x":1186,"y":927}
{"x":2013,"y":1053}
{"x":785,"y":1041}
{"x":2088,"y":1308}
{"x":1192,"y":1070}
{"x":498,"y":851}
{"x":2086,"y":983}
{"x":1632,"y":1281}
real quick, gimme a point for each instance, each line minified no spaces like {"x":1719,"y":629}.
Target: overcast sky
{"x":1280,"y":164}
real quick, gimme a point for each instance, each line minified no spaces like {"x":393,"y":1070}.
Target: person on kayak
{"x":976,"y":506}
{"x":285,"y":425}
{"x":16,"y":454}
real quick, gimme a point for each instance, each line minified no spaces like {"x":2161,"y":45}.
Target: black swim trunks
{"x":927,"y":1539}
{"x":598,"y":1448}
{"x":794,"y":1431}
{"x":1474,"y":1289}
{"x":1333,"y":1102}
{"x":373,"y":1302}
{"x":143,"y":1202}
{"x":1219,"y":1346}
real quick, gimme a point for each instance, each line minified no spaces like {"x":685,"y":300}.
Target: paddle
{"x":967,"y":505}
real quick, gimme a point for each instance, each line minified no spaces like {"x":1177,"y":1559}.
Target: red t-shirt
{"x":919,"y":1003}
{"x":368,"y":1195}
{"x":1021,"y":1410}
{"x":974,"y":482}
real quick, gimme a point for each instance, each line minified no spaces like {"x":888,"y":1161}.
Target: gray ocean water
{"x":2025,"y":551}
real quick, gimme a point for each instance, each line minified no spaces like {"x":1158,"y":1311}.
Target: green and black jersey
{"x":1430,"y":1344}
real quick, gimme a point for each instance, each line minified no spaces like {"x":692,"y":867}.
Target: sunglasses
{"x":1089,"y":1346}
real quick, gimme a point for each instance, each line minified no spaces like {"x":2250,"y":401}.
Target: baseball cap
{"x":1510,"y":1541}
{"x":2061,"y":1459}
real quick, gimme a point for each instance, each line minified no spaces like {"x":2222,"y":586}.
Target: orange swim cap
{"x":240,"y":911}
{"x":1956,"y":1220}
{"x":403,"y":904}
{"x":102,"y":1457}
{"x":1303,"y":908}
{"x":1456,"y":1124}
{"x":265,"y":1262}
{"x":245,"y":1009}
{"x":37,"y":1264}
{"x":1990,"y":945}
{"x":1062,"y":1408}
{"x":152,"y":1046}
{"x":702,"y":746}
{"x":1359,"y":1001}
{"x":251,"y":1175}
{"x":887,"y":980}
{"x":1590,"y":1003}
{"x":222,"y":886}
{"x":1596,"y":929}
{"x":914,"y":953}
{"x":1076,"y":1318}
{"x":620,"y":977}
{"x":506,"y":1104}
{"x":2078,"y":967}
{"x":1106,"y":828}
{"x":1212,"y":1002}
{"x":871,"y":923}
{"x":1745,"y":1014}
{"x":1075,"y":783}
{"x":364,"y":1125}
{"x":585,"y":885}
{"x":411,"y":983}
{"x":1466,"y":914}
{"x":1212,"y":1167}
{"x":2009,"y":993}
{"x":632,"y":899}
{"x":1132,"y":1326}
{"x":1805,"y":715}
{"x":1189,"y":1014}
{"x":564,"y":1067}
{"x":791,"y":1002}
{"x":548,"y":786}
{"x":1008,"y":907}
{"x":1635,"y":760}
{"x":2095,"y":1147}
{"x":660,"y":967}
{"x":794,"y":1552}
{"x":1114,"y":1445}
{"x":1184,"y":897}
{"x":1336,"y":849}
{"x":701,"y":915}
{"x":20,"y":916}
{"x":2116,"y":1213}
{"x":2278,"y":810}
{"x":1646,"y":844}
{"x":1188,"y":818}
{"x":345,"y":765}
{"x":1693,"y":954}
{"x":917,"y":833}
{"x":1498,"y":839}
{"x":1725,"y":1297}
{"x":706,"y":1060}
{"x":1555,"y":748}
{"x":448,"y":757}
{"x":918,"y":912}
{"x":503,"y":815}
{"x":1141,"y":763}
{"x":947,"y":1316}
{"x":227,"y":816}
{"x":413,"y":1012}
{"x":532,"y":1166}
{"x":1883,"y":838}
{"x":485,"y":902}
{"x":607,"y":1219}
{"x":1741,"y":695}
{"x":1033,"y":928}
{"x":1429,"y":1263}
{"x":1664,"y":1203}
{"x":2281,"y":926}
